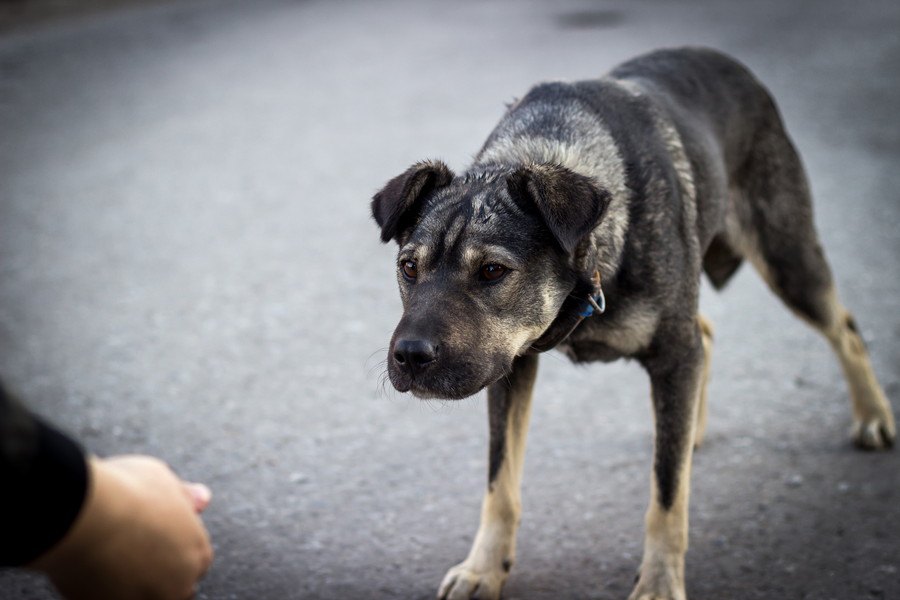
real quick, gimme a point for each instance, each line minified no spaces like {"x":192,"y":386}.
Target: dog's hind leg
{"x":706,"y":331}
{"x":675,"y":366}
{"x":485,"y":570}
{"x":781,"y":241}
{"x":873,"y":422}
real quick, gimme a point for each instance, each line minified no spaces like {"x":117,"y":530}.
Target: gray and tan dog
{"x":623,"y":188}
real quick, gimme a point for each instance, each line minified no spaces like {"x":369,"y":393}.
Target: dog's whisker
{"x":382,"y":351}
{"x":384,"y":390}
{"x":379,"y":366}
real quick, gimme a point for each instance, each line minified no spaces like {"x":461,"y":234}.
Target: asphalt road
{"x":188,"y":268}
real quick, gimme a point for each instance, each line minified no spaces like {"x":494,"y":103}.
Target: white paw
{"x":875,"y":433}
{"x":465,"y":582}
{"x":640,"y":593}
{"x":635,"y":595}
{"x":664,"y":582}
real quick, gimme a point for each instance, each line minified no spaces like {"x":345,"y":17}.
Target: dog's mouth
{"x":431,"y":391}
{"x":456,"y":383}
{"x":426,"y":394}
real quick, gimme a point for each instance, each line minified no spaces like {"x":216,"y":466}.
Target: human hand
{"x":138,"y":536}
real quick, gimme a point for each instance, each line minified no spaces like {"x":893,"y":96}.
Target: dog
{"x":584,"y":224}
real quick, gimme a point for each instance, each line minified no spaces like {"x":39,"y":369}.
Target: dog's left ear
{"x":571,"y":204}
{"x":395,"y":207}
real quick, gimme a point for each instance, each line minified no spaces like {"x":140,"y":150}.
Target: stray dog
{"x":607,"y":196}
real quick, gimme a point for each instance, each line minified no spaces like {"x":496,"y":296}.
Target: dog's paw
{"x":640,"y":593}
{"x":464,"y":582}
{"x":663,"y":583}
{"x":653,"y":596}
{"x":875,"y":433}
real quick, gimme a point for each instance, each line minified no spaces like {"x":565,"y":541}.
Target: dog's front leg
{"x":675,"y":375}
{"x":484,"y":572}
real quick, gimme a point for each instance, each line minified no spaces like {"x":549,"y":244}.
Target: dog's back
{"x":632,"y":120}
{"x":678,"y":129}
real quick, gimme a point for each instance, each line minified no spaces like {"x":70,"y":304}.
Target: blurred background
{"x":188,"y":269}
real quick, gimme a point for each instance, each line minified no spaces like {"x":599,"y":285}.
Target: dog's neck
{"x":585,"y":300}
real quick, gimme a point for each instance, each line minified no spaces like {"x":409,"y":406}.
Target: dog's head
{"x":485,"y":263}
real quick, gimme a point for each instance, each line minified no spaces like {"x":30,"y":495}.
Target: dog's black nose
{"x":414,"y":355}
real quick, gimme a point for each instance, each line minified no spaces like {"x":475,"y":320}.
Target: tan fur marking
{"x":706,"y":330}
{"x":665,"y":543}
{"x":494,"y":549}
{"x":680,"y":161}
{"x":633,"y":330}
{"x":666,"y":531}
{"x":419,"y":252}
{"x":629,"y":86}
{"x":473,"y":256}
{"x":873,"y":420}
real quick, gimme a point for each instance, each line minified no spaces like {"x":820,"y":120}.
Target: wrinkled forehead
{"x":468,"y":221}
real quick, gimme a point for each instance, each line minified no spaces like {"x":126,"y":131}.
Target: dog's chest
{"x":610,"y":336}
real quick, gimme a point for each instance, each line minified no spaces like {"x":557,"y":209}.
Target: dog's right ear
{"x":570,"y":204}
{"x":396,"y":206}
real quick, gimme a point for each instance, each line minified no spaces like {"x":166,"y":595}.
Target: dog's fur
{"x":674,"y":163}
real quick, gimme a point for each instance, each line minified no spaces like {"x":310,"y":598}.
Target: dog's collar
{"x":596,"y":301}
{"x":574,"y":310}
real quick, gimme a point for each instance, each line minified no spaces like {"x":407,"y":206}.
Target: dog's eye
{"x":410,"y":270}
{"x":492,"y":272}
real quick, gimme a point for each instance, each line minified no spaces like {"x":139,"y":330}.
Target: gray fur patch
{"x":630,"y":333}
{"x":584,"y":146}
{"x":680,"y":161}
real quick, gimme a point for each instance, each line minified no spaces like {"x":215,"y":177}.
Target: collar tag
{"x":596,"y":301}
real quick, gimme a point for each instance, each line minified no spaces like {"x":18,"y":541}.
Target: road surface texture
{"x":188,"y":268}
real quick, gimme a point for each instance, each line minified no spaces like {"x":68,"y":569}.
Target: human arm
{"x":138,"y":535}
{"x":123,"y":527}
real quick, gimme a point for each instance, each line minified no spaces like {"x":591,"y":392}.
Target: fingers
{"x":207,"y":556}
{"x":140,"y":533}
{"x":199,"y":494}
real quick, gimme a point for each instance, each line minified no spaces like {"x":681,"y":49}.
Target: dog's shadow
{"x":803,"y":518}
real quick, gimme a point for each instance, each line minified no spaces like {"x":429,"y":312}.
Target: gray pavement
{"x":188,"y":269}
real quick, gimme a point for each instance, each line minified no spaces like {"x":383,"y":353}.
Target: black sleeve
{"x":43,"y":483}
